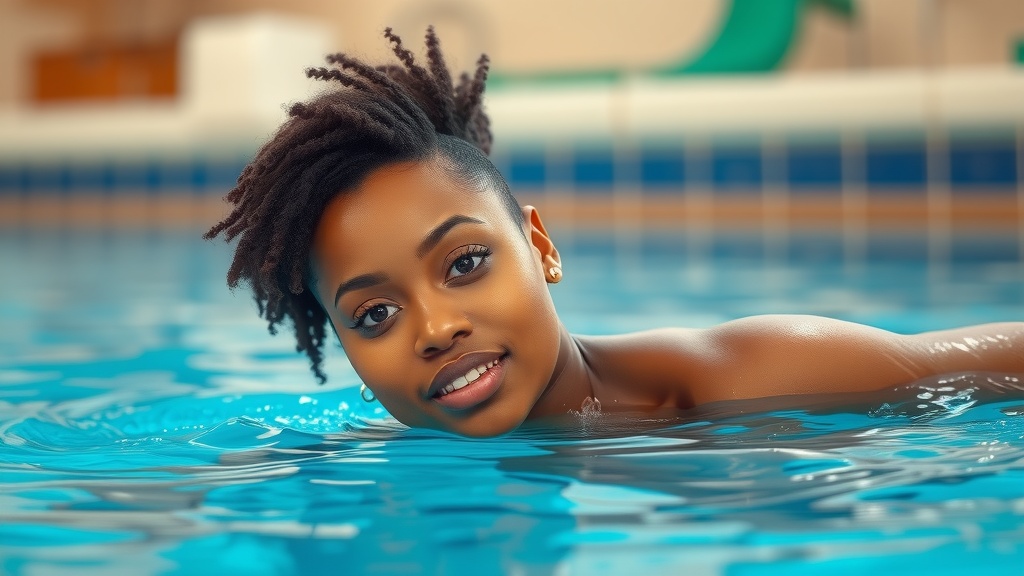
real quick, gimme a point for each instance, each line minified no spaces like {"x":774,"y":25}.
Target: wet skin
{"x":425,"y":276}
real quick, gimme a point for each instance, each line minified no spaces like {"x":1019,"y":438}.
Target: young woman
{"x":375,"y":210}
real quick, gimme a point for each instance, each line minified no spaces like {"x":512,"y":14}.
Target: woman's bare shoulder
{"x":720,"y":344}
{"x":773,"y":355}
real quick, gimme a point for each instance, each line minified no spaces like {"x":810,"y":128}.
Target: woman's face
{"x":439,"y":300}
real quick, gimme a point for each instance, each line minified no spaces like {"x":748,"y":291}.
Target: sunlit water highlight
{"x":149,"y":425}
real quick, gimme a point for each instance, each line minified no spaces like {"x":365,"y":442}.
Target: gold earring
{"x":556,"y":274}
{"x":367,"y":394}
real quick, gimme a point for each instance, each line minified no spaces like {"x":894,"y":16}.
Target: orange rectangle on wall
{"x":106,"y":73}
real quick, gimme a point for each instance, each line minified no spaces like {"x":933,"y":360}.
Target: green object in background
{"x":1020,"y":51}
{"x":842,"y":7}
{"x":754,"y":36}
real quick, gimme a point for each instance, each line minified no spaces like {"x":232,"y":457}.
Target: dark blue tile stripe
{"x":593,"y":170}
{"x":736,"y":168}
{"x":897,"y":165}
{"x":983,"y":163}
{"x":814,"y":167}
{"x":662,"y":167}
{"x":526,"y":169}
{"x":888,"y":166}
{"x":112,"y":177}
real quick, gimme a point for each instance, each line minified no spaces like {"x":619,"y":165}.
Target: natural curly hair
{"x":377,"y":116}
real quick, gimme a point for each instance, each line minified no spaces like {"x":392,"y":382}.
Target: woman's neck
{"x":571,"y":383}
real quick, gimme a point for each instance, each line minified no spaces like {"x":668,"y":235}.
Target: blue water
{"x":149,"y":425}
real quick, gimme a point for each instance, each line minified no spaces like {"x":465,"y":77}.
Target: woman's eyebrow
{"x":435,"y":235}
{"x":359,"y":282}
{"x":432,"y":239}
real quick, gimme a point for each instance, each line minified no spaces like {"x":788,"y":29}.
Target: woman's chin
{"x":481,"y":425}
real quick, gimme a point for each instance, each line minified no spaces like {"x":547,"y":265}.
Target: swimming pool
{"x":148,"y":424}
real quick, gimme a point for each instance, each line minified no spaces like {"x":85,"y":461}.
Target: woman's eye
{"x":465,"y":264}
{"x":467,"y":260}
{"x":376,"y":315}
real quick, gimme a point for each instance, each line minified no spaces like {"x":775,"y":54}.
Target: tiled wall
{"x":886,"y":164}
{"x":114,"y":176}
{"x":892,"y":164}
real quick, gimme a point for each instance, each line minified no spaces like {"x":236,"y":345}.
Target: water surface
{"x":148,"y":424}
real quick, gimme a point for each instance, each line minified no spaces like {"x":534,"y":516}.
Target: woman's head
{"x":422,"y":295}
{"x":371,"y":182}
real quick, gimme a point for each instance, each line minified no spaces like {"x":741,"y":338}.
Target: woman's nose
{"x":442,"y":323}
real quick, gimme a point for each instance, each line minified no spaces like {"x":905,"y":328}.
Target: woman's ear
{"x":542,"y":244}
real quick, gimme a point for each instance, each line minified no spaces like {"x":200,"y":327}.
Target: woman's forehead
{"x":400,"y":202}
{"x":432,"y":185}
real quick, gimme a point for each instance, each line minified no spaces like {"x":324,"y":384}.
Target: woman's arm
{"x":775,"y":355}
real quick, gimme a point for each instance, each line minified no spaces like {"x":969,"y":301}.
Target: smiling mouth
{"x":465,"y":380}
{"x":474,"y":387}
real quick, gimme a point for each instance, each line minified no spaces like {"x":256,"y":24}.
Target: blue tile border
{"x":525,"y":169}
{"x":594,"y":169}
{"x":983,"y":163}
{"x":736,"y":168}
{"x":889,"y":165}
{"x":112,"y":177}
{"x":662,"y":167}
{"x":896,"y":165}
{"x":818,"y":167}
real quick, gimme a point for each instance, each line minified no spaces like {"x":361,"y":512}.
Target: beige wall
{"x":21,"y":32}
{"x":538,"y":35}
{"x":825,"y":43}
{"x":535,"y":35}
{"x":892,"y":34}
{"x":978,"y":31}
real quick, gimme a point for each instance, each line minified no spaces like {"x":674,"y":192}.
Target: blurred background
{"x":695,"y":161}
{"x":762,"y":117}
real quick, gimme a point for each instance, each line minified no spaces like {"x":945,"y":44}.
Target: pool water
{"x":150,"y":425}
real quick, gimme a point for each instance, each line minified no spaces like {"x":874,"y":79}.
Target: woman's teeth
{"x":463,"y":381}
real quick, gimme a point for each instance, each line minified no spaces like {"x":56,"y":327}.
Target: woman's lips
{"x":473,"y":387}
